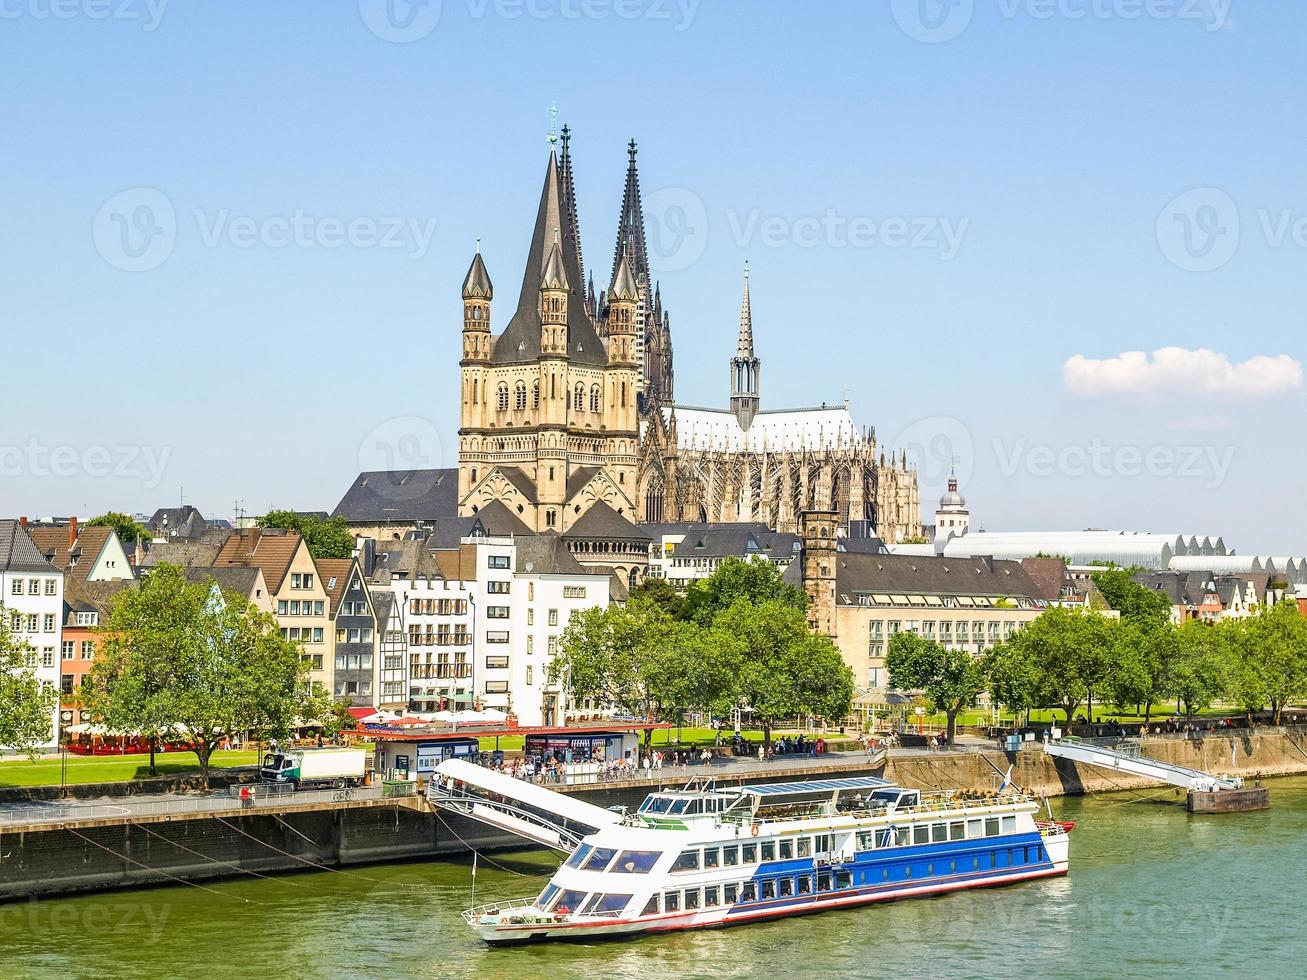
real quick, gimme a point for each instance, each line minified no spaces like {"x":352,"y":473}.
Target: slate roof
{"x":178,"y":522}
{"x":498,"y":520}
{"x":400,"y":497}
{"x":1048,"y":574}
{"x":272,"y":552}
{"x":520,"y":340}
{"x":601,"y":522}
{"x":334,"y":573}
{"x":579,"y":477}
{"x":199,"y":552}
{"x":18,"y":553}
{"x":240,"y":579}
{"x":518,"y":477}
{"x":81,"y":596}
{"x":939,"y":576}
{"x":547,"y":554}
{"x":739,"y":541}
{"x":76,"y":561}
{"x":863,"y":546}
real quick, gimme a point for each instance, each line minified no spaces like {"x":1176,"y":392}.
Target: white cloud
{"x":1181,"y":372}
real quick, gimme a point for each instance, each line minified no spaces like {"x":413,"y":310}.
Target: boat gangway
{"x":555,"y":820}
{"x":1128,"y":759}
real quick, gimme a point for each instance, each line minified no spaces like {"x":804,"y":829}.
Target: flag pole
{"x":474,"y":879}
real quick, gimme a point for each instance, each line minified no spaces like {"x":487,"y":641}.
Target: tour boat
{"x":704,"y":856}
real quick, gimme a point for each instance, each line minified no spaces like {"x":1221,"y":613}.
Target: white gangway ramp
{"x":1137,"y":765}
{"x":556,"y":820}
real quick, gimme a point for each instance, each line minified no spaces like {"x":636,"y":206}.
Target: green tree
{"x":331,"y":713}
{"x":1069,"y":655}
{"x":780,"y":669}
{"x":26,"y":705}
{"x":1198,"y":672}
{"x":127,"y":528}
{"x":176,"y":658}
{"x":1145,"y":651}
{"x":952,"y":680}
{"x":1010,"y":676}
{"x":755,"y":581}
{"x":639,"y":660}
{"x":1128,"y":597}
{"x":1267,"y":658}
{"x":661,"y":593}
{"x":331,"y":538}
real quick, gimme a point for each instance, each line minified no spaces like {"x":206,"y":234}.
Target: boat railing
{"x":493,"y":908}
{"x":941,"y":801}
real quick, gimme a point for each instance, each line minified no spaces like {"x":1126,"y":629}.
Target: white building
{"x":483,"y":619}
{"x":32,"y":596}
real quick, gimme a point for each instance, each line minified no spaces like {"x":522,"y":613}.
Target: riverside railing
{"x":222,"y":804}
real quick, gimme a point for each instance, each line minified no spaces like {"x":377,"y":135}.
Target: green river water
{"x":1153,"y":892}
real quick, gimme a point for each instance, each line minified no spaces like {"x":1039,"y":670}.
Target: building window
{"x":574,"y":592}
{"x":520,"y":396}
{"x":578,"y":398}
{"x":530,"y":673}
{"x":553,"y":617}
{"x":49,"y":622}
{"x":496,"y":663}
{"x":497,"y":636}
{"x":535,"y":394}
{"x":503,"y":397}
{"x":496,"y":612}
{"x":594,"y":399}
{"x":68,"y":647}
{"x":497,"y":561}
{"x":497,"y":588}
{"x":496,"y":687}
{"x":52,"y":585}
{"x":88,"y":649}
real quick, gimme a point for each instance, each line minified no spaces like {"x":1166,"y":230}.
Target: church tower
{"x":745,"y":367}
{"x":952,"y":519}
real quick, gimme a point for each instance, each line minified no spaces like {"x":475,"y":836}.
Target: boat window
{"x":823,"y":843}
{"x":750,"y":852}
{"x":671,"y":901}
{"x":748,"y":892}
{"x":656,"y":804}
{"x":579,"y":855}
{"x":843,"y":879}
{"x":691,"y":899}
{"x":866,"y":840}
{"x":901,"y":836}
{"x":938,"y":832}
{"x":787,"y":887}
{"x":610,"y":904}
{"x":1009,"y":825}
{"x":569,"y":901}
{"x":651,"y":906}
{"x":991,"y":826}
{"x":688,"y":861}
{"x":885,"y":837}
{"x":787,"y":849}
{"x":710,"y":897}
{"x":769,"y":850}
{"x":599,"y":859}
{"x":823,"y":881}
{"x":712,"y":857}
{"x":768,"y":889}
{"x":957,"y":830}
{"x":636,"y":862}
{"x":921,"y":833}
{"x":730,"y":893}
{"x":805,"y":847}
{"x":975,"y":828}
{"x":546,"y":896}
{"x":730,"y":856}
{"x":805,"y":884}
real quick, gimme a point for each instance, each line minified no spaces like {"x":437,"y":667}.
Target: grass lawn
{"x":110,"y":768}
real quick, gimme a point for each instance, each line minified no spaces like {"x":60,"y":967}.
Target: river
{"x":1153,"y":891}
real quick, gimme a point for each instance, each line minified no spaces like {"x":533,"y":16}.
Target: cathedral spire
{"x":745,"y":366}
{"x":572,"y":223}
{"x":630,"y":224}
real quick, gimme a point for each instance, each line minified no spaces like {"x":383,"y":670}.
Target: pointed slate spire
{"x":630,"y":224}
{"x":624,"y":288}
{"x":746,"y":369}
{"x":477,"y":285}
{"x":555,"y":274}
{"x":590,"y":299}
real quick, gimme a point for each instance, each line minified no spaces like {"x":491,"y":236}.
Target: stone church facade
{"x":573,"y":404}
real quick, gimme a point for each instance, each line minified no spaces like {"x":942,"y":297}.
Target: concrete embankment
{"x":66,"y":860}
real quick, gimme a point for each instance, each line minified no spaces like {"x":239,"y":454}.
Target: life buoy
{"x":755,"y":830}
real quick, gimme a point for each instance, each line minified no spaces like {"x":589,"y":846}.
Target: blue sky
{"x":941,"y":205}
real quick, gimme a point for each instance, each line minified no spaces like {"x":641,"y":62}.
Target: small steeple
{"x":744,"y":348}
{"x":477,"y":285}
{"x":555,"y":274}
{"x":746,"y":369}
{"x":624,"y":288}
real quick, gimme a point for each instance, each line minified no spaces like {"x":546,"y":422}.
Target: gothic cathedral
{"x":572,"y":404}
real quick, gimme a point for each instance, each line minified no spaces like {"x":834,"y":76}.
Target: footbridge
{"x":1127,"y":758}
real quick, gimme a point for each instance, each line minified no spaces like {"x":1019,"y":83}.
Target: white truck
{"x":312,"y":768}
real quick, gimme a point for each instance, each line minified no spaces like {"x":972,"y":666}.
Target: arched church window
{"x":623,"y":394}
{"x":503,"y":397}
{"x":594,"y":398}
{"x":535,"y":394}
{"x":521,"y":396}
{"x":634,"y":579}
{"x":578,"y":398}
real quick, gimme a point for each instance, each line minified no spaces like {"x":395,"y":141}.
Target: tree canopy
{"x":1128,"y":597}
{"x":952,"y":679}
{"x":331,"y":538}
{"x":754,"y":581}
{"x":176,"y":658}
{"x":26,"y":705}
{"x":128,"y":529}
